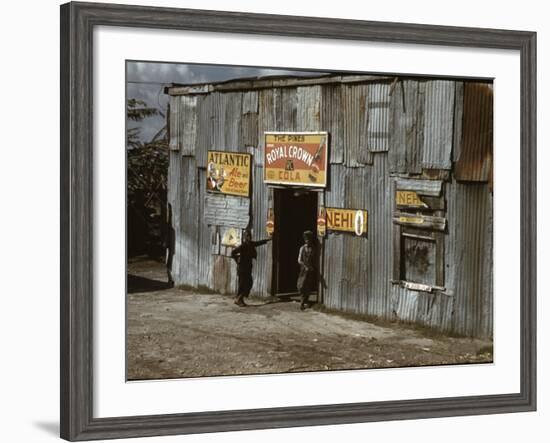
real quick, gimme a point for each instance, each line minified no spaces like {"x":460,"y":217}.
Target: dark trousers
{"x":245,"y":285}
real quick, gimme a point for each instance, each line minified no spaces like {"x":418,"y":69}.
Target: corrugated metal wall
{"x":380,"y":132}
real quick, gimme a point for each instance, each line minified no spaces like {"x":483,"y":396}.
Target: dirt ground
{"x":177,"y":333}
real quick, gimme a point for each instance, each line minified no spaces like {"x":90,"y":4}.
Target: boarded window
{"x":419,"y":257}
{"x":419,"y":230}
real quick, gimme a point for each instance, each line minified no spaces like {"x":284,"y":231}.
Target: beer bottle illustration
{"x":316,"y":164}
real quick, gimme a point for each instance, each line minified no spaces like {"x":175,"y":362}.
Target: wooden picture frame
{"x":77,"y":23}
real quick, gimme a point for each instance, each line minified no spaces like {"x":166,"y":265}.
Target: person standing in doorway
{"x":243,"y":255}
{"x":307,"y":261}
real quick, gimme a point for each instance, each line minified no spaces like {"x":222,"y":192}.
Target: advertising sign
{"x":231,"y":237}
{"x":322,"y":222}
{"x":228,"y":173}
{"x":347,"y":220}
{"x":270,"y":224}
{"x":409,"y":199}
{"x":296,"y":158}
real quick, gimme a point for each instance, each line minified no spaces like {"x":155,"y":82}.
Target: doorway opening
{"x":295,"y":212}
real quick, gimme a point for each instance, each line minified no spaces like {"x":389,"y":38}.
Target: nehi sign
{"x":347,"y":220}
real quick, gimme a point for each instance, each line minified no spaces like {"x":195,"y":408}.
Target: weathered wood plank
{"x":227,"y":210}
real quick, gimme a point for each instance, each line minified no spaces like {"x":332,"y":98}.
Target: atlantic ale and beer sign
{"x":228,"y":173}
{"x":296,"y":158}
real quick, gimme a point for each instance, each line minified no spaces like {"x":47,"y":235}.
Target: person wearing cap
{"x":306,"y":260}
{"x":243,"y":255}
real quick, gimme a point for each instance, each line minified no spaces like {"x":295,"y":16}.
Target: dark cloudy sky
{"x":146,"y":81}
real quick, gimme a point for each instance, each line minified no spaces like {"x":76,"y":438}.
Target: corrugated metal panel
{"x":379,"y":203}
{"x":308,"y":108}
{"x":205,"y":236}
{"x":261,"y":273}
{"x":287,"y":120}
{"x":405,"y":303}
{"x":469,"y":258}
{"x":175,"y":123}
{"x":233,"y":121}
{"x":174,"y":199}
{"x":429,"y":309}
{"x":406,"y":127}
{"x":218,"y":120}
{"x":270,"y":82}
{"x":186,"y":224}
{"x":476,"y":152}
{"x":205,"y":116}
{"x":249,"y":122}
{"x":458,"y":120}
{"x":334,"y":242}
{"x":266,"y":121}
{"x":438,"y":124}
{"x":226,"y":210}
{"x":188,"y":125}
{"x":358,"y":269}
{"x":354,"y":120}
{"x":422,"y":187}
{"x":379,"y":117}
{"x":223,"y":274}
{"x":331,"y":121}
{"x":250,"y":102}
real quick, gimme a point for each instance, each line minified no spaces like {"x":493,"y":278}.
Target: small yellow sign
{"x":347,"y":220}
{"x":416,"y":220}
{"x":409,"y":198}
{"x":270,"y":224}
{"x":231,"y":237}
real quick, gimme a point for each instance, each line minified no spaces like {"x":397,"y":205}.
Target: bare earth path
{"x":175,"y":333}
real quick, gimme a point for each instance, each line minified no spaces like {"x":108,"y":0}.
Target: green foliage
{"x":137,"y":110}
{"x":147,"y":162}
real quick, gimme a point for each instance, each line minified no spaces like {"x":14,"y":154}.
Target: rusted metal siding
{"x":287,"y":110}
{"x":205,"y":120}
{"x":474,"y":162}
{"x":226,"y":210}
{"x":308,"y":108}
{"x":261,"y":272}
{"x":428,"y":309}
{"x":379,"y":117}
{"x":174,"y":197}
{"x":358,"y":269}
{"x":438,"y":124}
{"x":266,"y":121}
{"x":470,"y":256}
{"x":175,"y":123}
{"x":334,"y":242}
{"x":332,"y":122}
{"x":182,"y":195}
{"x":406,"y":127}
{"x":233,"y":120}
{"x":249,"y":122}
{"x":429,"y":125}
{"x":205,"y":238}
{"x":188,"y":124}
{"x":354,"y":117}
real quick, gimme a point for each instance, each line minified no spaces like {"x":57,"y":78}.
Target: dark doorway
{"x":295,"y":212}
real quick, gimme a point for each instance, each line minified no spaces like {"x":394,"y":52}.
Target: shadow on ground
{"x":137,"y":283}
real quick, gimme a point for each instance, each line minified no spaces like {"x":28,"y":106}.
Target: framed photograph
{"x":274,"y":221}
